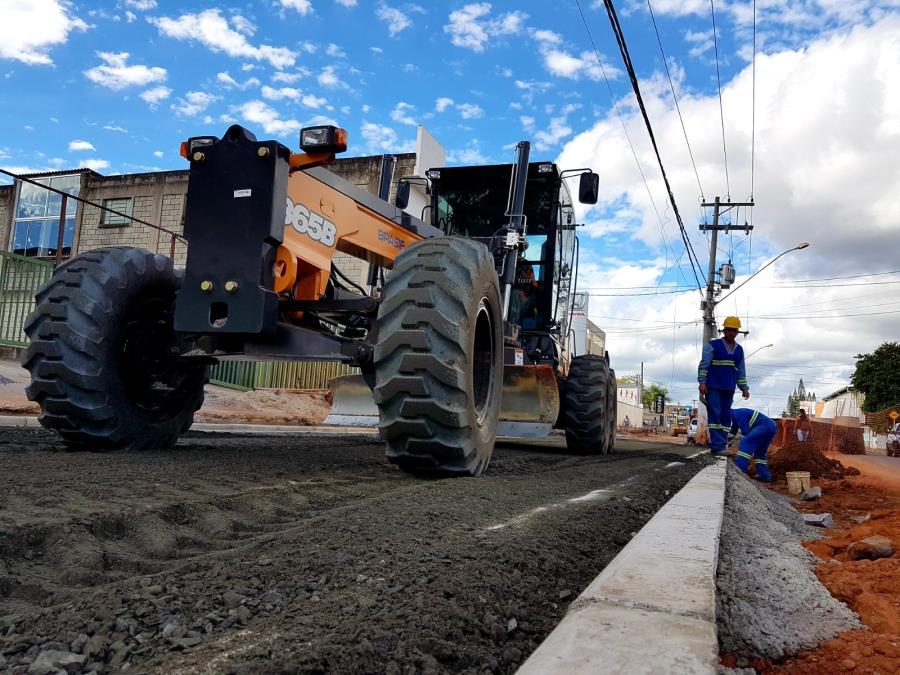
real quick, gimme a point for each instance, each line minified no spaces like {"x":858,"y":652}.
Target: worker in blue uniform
{"x":756,"y":431}
{"x":721,"y":369}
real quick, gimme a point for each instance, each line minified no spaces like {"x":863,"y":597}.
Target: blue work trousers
{"x":755,"y":445}
{"x":718,"y":414}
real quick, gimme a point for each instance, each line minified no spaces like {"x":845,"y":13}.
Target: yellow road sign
{"x":893,"y":414}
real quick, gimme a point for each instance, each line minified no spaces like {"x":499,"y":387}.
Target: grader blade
{"x":529,"y":404}
{"x":352,"y":404}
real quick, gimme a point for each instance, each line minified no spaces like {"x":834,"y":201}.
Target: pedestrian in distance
{"x":626,"y":423}
{"x":756,"y":431}
{"x":721,"y":369}
{"x":804,"y":426}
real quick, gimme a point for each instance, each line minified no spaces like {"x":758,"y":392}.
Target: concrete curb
{"x":226,"y":428}
{"x":653,"y":609}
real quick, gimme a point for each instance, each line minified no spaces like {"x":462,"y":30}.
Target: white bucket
{"x":797,"y":481}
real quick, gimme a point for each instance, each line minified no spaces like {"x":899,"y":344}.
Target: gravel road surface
{"x":308,"y":553}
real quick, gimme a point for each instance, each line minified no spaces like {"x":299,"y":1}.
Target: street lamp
{"x":756,"y":350}
{"x":798,"y":247}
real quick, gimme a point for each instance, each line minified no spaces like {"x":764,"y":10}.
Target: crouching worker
{"x":756,"y":431}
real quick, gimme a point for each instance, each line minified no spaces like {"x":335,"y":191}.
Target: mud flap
{"x":529,"y":404}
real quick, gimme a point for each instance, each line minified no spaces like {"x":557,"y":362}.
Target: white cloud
{"x":441,"y":104}
{"x":561,"y":63}
{"x":469,"y":155}
{"x":29,"y":30}
{"x":257,"y":112}
{"x":396,"y":19}
{"x":115,"y":127}
{"x":116,"y":74}
{"x":379,"y":138}
{"x":193,"y":103}
{"x":328,"y":78}
{"x":141,"y":5}
{"x":278,"y":94}
{"x":303,"y":7}
{"x":470,"y":111}
{"x":376,"y":50}
{"x":243,"y":25}
{"x":288,"y":78}
{"x":311,"y":101}
{"x":75,"y":146}
{"x":347,"y":3}
{"x":470,"y":27}
{"x":827,"y":131}
{"x":94,"y":164}
{"x":336,"y":52}
{"x":130,"y":17}
{"x":158,"y":154}
{"x":155,"y":95}
{"x":211,"y":29}
{"x":403,"y":114}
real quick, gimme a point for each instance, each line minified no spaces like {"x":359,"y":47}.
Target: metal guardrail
{"x":247,"y":375}
{"x":20,"y":279}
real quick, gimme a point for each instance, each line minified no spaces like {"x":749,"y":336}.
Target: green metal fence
{"x":20,"y":279}
{"x":246,"y":375}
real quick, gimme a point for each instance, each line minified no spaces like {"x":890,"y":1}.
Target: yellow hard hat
{"x":732,"y":322}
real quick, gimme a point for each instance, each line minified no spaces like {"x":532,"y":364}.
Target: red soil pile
{"x":796,"y":456}
{"x":871,"y":588}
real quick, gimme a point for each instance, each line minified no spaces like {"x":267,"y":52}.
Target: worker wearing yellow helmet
{"x":721,"y":369}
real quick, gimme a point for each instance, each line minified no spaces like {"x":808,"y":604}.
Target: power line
{"x":627,"y":136}
{"x":753,"y":110}
{"x":675,"y":97}
{"x":836,"y":316}
{"x":851,"y":276}
{"x":867,"y":283}
{"x":721,"y":107}
{"x":623,"y":49}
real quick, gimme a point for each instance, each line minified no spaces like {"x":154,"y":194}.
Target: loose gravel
{"x":310,"y":553}
{"x":769,"y":602}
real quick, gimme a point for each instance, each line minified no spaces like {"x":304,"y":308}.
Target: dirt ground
{"x":862,"y":506}
{"x":306,"y":553}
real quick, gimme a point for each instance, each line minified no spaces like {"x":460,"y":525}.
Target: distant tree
{"x":877,"y":375}
{"x":793,"y":404}
{"x":651,"y":392}
{"x":632,"y":380}
{"x":800,"y":392}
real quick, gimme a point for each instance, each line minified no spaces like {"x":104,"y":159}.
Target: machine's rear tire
{"x":439,"y":358}
{"x":612,"y":410}
{"x":586,"y":417}
{"x":102,"y":350}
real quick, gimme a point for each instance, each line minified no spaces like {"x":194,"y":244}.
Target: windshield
{"x":472,"y":202}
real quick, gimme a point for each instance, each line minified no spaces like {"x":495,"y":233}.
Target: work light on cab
{"x":323,"y":139}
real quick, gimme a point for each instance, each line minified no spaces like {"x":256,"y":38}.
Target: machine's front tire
{"x":586,"y":417}
{"x":439,"y":358}
{"x":102,"y":356}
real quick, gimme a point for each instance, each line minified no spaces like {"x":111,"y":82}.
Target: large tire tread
{"x":72,"y":361}
{"x":586,"y":410}
{"x":422,"y":359}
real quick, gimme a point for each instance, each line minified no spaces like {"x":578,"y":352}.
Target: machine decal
{"x":388,"y":238}
{"x":310,"y":223}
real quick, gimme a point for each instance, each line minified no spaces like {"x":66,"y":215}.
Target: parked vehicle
{"x":893,"y":441}
{"x":692,"y":431}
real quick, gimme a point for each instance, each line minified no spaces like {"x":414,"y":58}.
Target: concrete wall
{"x":635,"y":414}
{"x":848,"y":404}
{"x":156,"y":198}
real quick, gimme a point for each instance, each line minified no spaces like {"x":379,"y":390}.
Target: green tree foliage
{"x":627,"y":380}
{"x":800,"y":391}
{"x":793,"y":404}
{"x":877,"y":375}
{"x":650,"y":394}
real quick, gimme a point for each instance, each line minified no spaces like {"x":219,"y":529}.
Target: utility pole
{"x":709,"y":304}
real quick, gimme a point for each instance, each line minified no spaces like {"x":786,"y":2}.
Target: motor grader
{"x":462,"y":333}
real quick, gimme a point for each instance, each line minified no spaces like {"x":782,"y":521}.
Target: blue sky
{"x":117,"y":85}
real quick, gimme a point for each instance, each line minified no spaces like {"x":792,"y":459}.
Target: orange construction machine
{"x":461,"y":333}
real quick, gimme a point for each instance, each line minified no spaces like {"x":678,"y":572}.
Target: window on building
{"x":122,"y":205}
{"x":37,"y":217}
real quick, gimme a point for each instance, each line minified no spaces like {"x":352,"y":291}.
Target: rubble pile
{"x":797,"y":456}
